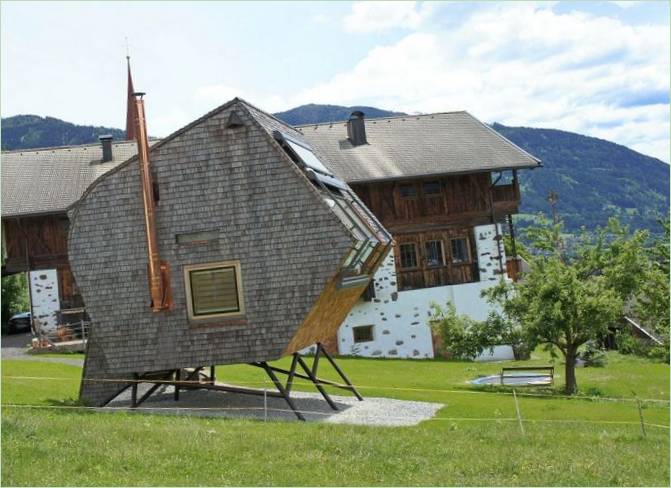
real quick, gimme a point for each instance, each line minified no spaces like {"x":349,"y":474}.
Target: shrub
{"x":460,"y":336}
{"x":593,"y":355}
{"x":627,"y":343}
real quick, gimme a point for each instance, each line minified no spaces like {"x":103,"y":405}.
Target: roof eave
{"x":38,"y":213}
{"x":440,"y":175}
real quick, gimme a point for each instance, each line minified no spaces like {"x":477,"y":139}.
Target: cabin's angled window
{"x":431,"y":188}
{"x":408,"y":255}
{"x":362,"y":333}
{"x":407,"y":190}
{"x":308,"y":157}
{"x":460,"y":250}
{"x":214,"y":290}
{"x":434,"y":253}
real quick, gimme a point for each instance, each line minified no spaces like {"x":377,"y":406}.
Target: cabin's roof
{"x":414,"y":146}
{"x":49,"y":180}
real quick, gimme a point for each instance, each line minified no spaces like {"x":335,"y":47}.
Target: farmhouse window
{"x":460,"y":250}
{"x":434,"y":253}
{"x":407,"y":190}
{"x":431,"y":188}
{"x":214,"y":290}
{"x":408,"y":255}
{"x":363,"y":333}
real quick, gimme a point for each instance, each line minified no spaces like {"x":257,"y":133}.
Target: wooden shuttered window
{"x":214,"y":290}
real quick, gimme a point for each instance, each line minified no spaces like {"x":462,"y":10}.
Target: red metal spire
{"x":130,"y":108}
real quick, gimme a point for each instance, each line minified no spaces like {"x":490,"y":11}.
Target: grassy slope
{"x":61,"y":446}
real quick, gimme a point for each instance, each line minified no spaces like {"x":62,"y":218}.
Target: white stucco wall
{"x":44,"y":299}
{"x":400,"y":319}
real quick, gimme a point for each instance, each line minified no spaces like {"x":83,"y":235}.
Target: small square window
{"x":460,"y":252}
{"x":408,"y":255}
{"x":431,"y":188}
{"x":407,"y":190}
{"x":213,"y":290}
{"x":434,"y":253}
{"x":362,"y":333}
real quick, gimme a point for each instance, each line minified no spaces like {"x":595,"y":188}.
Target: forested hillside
{"x":594,"y":178}
{"x":30,"y":131}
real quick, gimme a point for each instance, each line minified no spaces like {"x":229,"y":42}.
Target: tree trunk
{"x":571,"y":384}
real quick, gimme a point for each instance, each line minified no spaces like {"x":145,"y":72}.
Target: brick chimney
{"x":356,"y":129}
{"x":106,"y":142}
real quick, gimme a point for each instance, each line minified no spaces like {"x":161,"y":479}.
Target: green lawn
{"x":584,"y":441}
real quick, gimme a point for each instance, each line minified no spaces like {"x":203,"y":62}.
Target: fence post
{"x":519,"y":415}
{"x":640,"y":416}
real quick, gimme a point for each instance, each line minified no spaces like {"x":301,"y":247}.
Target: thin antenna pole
{"x":127,"y":49}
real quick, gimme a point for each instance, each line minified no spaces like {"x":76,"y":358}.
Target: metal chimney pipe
{"x":158,"y":273}
{"x":106,"y":142}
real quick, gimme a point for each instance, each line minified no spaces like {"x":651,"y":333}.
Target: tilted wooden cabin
{"x":258,"y":251}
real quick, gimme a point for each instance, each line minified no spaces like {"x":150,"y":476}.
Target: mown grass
{"x":63,"y":446}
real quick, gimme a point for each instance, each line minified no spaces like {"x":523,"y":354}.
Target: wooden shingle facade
{"x":228,"y":194}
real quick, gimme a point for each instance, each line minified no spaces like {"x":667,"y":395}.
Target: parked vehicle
{"x":19,"y":322}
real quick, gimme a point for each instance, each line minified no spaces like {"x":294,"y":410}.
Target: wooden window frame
{"x":400,"y":256}
{"x":408,"y":197}
{"x":369,"y":327}
{"x":238,"y":286}
{"x":469,"y":257}
{"x":437,"y":194}
{"x":442,"y":252}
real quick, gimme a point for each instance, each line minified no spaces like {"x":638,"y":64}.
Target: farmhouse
{"x":38,"y":185}
{"x":443,"y":184}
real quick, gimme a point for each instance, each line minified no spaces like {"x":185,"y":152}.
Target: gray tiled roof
{"x":416,"y":145}
{"x":48,"y":180}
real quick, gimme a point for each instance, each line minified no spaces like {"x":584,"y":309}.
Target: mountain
{"x":315,"y":114}
{"x":31,"y":131}
{"x":594,"y":178}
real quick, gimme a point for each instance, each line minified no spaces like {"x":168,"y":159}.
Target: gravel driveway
{"x":207,"y":403}
{"x":16,"y":346}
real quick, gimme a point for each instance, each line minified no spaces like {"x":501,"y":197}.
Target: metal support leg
{"x":281,"y":389}
{"x":178,"y":374}
{"x":315,"y":361}
{"x":133,"y":395}
{"x":316,"y":382}
{"x":212,"y":374}
{"x":292,"y":372}
{"x":342,"y":374}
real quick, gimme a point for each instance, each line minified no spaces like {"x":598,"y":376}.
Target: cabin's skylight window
{"x":309,"y":158}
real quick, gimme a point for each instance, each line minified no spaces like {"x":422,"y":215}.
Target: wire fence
{"x":266,"y":409}
{"x":368,"y":387}
{"x":326,"y":414}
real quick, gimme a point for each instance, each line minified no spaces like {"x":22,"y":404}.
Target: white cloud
{"x":379,"y":16}
{"x":524,"y":64}
{"x":625,"y":4}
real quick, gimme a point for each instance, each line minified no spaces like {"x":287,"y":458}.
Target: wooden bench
{"x":541,"y":372}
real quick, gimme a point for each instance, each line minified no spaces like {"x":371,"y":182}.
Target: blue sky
{"x":598,"y":68}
